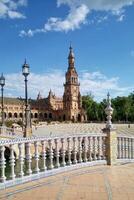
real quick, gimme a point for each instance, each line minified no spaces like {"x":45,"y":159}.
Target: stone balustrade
{"x":10,"y":132}
{"x":32,"y":158}
{"x":125,"y":147}
{"x":39,"y":156}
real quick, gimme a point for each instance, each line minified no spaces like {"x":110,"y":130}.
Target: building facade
{"x":52,"y":108}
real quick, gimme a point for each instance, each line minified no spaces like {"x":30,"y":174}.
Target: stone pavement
{"x":89,"y":183}
{"x":79,"y":128}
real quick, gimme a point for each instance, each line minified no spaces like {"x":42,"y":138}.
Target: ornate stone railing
{"x":125,"y":148}
{"x":32,"y":158}
{"x":10,"y":132}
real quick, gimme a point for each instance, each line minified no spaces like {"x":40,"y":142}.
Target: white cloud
{"x":94,"y":82}
{"x":102,"y":19}
{"x":105,"y":5}
{"x":121,"y":18}
{"x":75,"y":18}
{"x":9,"y":8}
{"x":78,"y":12}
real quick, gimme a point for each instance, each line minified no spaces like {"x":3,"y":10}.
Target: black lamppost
{"x":2,"y":83}
{"x":26,"y":72}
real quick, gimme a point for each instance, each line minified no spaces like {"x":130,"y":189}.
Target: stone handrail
{"x":125,"y":147}
{"x":44,"y":155}
{"x":10,"y":132}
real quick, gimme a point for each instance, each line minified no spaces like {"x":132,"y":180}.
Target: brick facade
{"x":52,"y":108}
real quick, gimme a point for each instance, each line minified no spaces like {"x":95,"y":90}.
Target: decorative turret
{"x":50,"y":95}
{"x":39,"y":96}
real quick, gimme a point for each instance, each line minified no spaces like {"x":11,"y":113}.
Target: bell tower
{"x":71,"y":98}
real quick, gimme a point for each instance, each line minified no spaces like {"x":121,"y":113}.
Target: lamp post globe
{"x":2,"y":80}
{"x":25,"y":69}
{"x":2,"y":83}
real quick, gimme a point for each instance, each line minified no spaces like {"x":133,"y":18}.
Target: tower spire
{"x":71,"y":57}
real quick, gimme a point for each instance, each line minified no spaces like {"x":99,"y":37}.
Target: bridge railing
{"x":125,"y":147}
{"x":40,"y":156}
{"x":10,"y":132}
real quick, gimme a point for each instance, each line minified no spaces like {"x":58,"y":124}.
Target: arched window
{"x":9,"y":115}
{"x":79,"y":117}
{"x":45,"y":115}
{"x":5,"y":115}
{"x":36,"y":115}
{"x":72,"y":79}
{"x":31,"y":115}
{"x":15,"y":115}
{"x":64,"y":117}
{"x":50,"y":115}
{"x":20,"y":115}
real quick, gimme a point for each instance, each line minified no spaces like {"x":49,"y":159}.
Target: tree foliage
{"x":123,"y":108}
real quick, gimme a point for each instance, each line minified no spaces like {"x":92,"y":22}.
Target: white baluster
{"x":63,"y":163}
{"x":2,"y":164}
{"x":57,"y":164}
{"x":125,"y":147}
{"x":80,"y":149}
{"x":74,"y":151}
{"x":99,"y":139}
{"x":51,"y":166}
{"x":90,"y":148}
{"x":69,"y":151}
{"x":21,"y":159}
{"x":129,"y":148}
{"x":119,"y":147}
{"x":85,"y":149}
{"x":43,"y":156}
{"x":36,"y":156}
{"x":104,"y":147}
{"x":132,"y":146}
{"x":94,"y":148}
{"x":12,"y":162}
{"x":28,"y":159}
{"x":122,"y":148}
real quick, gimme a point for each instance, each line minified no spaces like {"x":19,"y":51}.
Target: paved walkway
{"x":90,"y":183}
{"x":79,"y":128}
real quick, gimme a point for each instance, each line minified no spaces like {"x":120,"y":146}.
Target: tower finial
{"x":25,"y":62}
{"x":70,"y":46}
{"x":71,"y":57}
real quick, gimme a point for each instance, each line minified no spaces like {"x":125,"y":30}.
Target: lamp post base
{"x":27,"y":132}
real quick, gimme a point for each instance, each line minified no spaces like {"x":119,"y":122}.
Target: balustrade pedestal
{"x":111,"y":145}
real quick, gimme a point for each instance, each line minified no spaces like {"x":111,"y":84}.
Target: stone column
{"x":111,"y":142}
{"x":111,"y":146}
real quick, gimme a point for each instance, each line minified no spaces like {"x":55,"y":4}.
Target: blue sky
{"x":101,"y":32}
